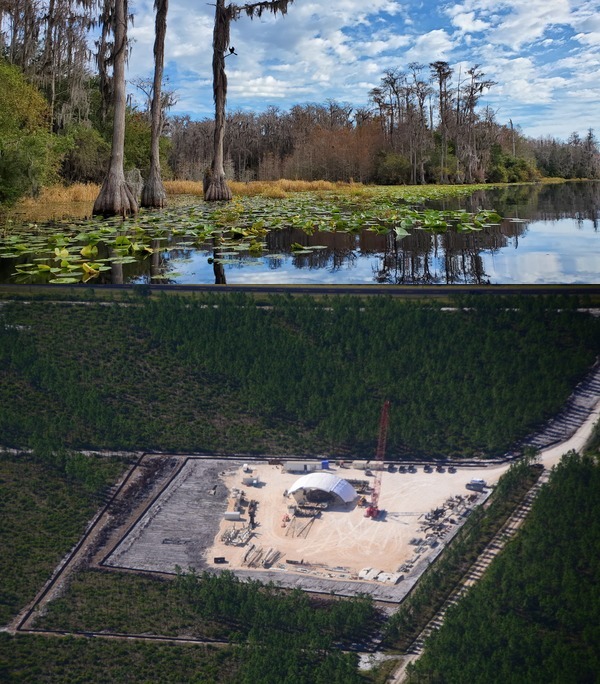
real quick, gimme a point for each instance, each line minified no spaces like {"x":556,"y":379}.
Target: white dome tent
{"x":321,"y":487}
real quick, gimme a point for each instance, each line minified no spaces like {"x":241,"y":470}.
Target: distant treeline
{"x":218,"y":373}
{"x":423,"y":123}
{"x":535,"y":614}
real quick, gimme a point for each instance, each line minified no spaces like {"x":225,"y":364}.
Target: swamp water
{"x":546,"y":234}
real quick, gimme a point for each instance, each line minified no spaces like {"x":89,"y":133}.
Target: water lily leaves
{"x":379,"y":228}
{"x":89,"y":251}
{"x":90,"y":270}
{"x":489,"y":217}
{"x":91,"y":237}
{"x":23,"y":249}
{"x":61,"y":253}
{"x":235,"y":229}
{"x":124,"y":260}
{"x":256,"y":248}
{"x":59,"y":239}
{"x":258,"y":226}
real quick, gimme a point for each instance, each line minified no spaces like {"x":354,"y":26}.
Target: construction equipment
{"x":373,"y":509}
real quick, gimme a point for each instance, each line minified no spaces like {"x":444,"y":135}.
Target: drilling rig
{"x":373,"y":509}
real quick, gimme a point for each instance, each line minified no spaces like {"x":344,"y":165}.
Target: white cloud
{"x":265,"y":87}
{"x":430,"y":47}
{"x":586,"y":17}
{"x":583,"y":94}
{"x":510,"y":23}
{"x":467,"y":23}
{"x":537,"y":50}
{"x":592,"y":39}
{"x":529,"y":22}
{"x":393,"y":8}
{"x":390,"y":43}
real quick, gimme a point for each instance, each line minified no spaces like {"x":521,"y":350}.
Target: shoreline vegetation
{"x":87,"y":192}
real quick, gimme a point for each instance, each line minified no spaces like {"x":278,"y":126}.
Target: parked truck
{"x":476,"y":485}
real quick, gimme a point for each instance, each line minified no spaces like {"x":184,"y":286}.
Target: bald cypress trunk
{"x":115,"y":196}
{"x":216,"y":187}
{"x":153,"y":193}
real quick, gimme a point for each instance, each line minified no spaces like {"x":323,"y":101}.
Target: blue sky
{"x":544,"y":55}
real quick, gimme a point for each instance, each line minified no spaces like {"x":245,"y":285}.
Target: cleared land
{"x":185,"y":527}
{"x":337,"y":550}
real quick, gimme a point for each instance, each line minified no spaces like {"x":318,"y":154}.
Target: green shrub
{"x":392,"y":169}
{"x":29,"y":154}
{"x":87,"y":160}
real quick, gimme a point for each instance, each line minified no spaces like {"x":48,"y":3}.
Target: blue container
{"x":325,"y":465}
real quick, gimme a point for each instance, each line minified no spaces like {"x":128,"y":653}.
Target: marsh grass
{"x":80,"y":193}
{"x":274,"y":189}
{"x":183,"y":187}
{"x":62,"y":194}
{"x":87,"y":192}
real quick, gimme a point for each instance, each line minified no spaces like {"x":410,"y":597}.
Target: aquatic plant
{"x":70,"y":251}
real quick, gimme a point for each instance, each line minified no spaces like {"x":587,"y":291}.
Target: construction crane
{"x":373,"y":509}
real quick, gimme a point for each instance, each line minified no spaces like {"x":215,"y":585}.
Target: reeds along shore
{"x":275,"y":189}
{"x":87,"y":192}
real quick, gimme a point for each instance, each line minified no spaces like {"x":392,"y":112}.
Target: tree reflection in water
{"x":560,"y":222}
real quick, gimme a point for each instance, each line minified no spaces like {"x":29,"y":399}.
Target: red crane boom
{"x":373,"y":509}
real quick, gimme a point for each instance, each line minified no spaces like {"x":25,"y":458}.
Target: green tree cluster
{"x":86,"y":161}
{"x":506,"y":168}
{"x":73,"y":660}
{"x":137,"y":145}
{"x":535,"y":615}
{"x":277,"y":634}
{"x":32,"y":156}
{"x":392,"y":169}
{"x":29,"y":155}
{"x":301,"y":376}
{"x":46,"y":499}
{"x":207,"y":606}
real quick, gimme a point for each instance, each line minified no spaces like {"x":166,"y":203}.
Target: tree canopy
{"x":28,"y":152}
{"x":535,"y":614}
{"x":301,"y":376}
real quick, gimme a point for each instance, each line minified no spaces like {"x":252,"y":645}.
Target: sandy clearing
{"x":342,"y":537}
